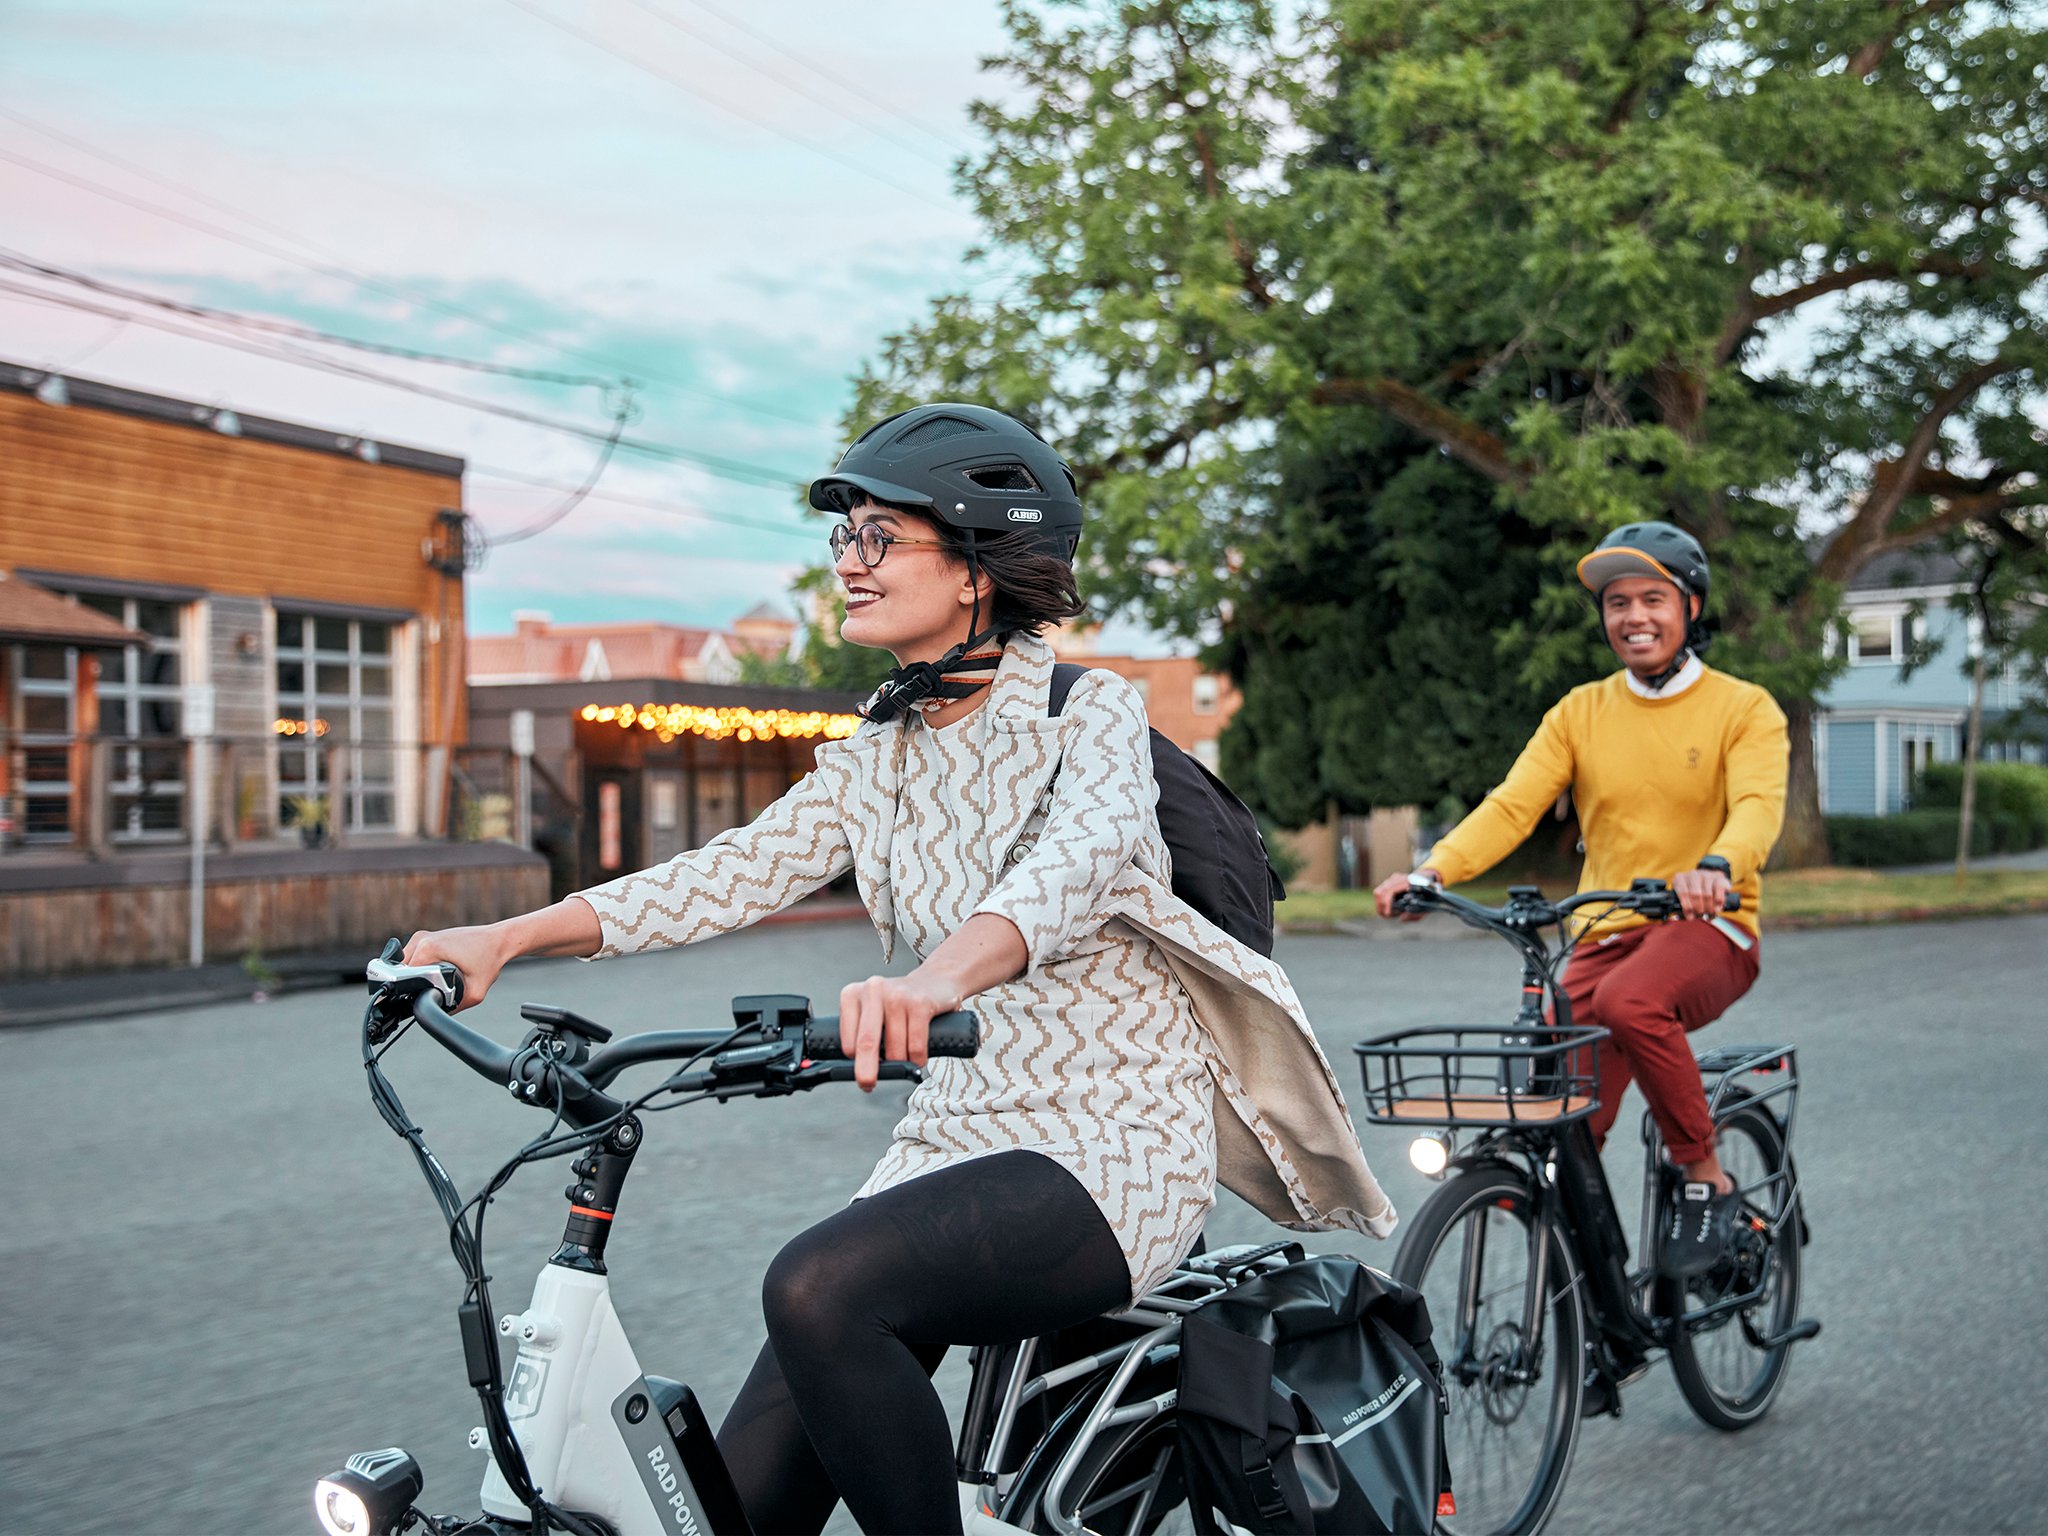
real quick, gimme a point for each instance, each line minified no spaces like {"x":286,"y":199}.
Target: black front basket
{"x":1480,"y":1076}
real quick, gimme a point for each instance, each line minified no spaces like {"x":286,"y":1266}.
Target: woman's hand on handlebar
{"x":478,"y":953}
{"x":1384,"y":893}
{"x":1701,"y":892}
{"x":569,"y":927}
{"x":891,"y":1017}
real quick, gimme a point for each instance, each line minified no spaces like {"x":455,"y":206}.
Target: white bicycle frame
{"x":596,"y":1440}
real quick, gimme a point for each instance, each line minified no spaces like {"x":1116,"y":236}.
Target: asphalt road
{"x":223,"y":1274}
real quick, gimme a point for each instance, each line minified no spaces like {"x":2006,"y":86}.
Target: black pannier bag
{"x":1310,"y":1402}
{"x":1220,"y":866}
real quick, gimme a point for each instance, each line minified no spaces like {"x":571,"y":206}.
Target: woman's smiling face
{"x":916,"y":601}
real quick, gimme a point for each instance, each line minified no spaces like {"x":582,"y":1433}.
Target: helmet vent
{"x":936,"y":429}
{"x":1005,"y":477}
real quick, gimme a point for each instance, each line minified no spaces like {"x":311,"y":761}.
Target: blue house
{"x":1877,"y":726}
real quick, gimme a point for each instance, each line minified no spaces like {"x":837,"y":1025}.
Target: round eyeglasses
{"x":872,"y":541}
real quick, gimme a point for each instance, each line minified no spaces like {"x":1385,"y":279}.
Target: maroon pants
{"x":1649,"y":987}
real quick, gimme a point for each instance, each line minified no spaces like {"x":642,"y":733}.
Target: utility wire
{"x":730,"y":469}
{"x":329,"y":268}
{"x":652,"y":504}
{"x":18,"y":262}
{"x":837,"y":82}
{"x":575,"y":498}
{"x":691,"y":91}
{"x":807,"y":93}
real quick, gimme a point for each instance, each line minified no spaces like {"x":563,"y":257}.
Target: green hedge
{"x":2011,"y":797}
{"x":1911,"y":837}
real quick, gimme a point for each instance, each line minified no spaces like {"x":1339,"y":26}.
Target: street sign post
{"x":198,"y":717}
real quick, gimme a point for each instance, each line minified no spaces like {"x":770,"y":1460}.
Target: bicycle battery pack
{"x":678,"y":1459}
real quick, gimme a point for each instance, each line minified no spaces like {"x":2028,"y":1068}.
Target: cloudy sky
{"x":730,"y":203}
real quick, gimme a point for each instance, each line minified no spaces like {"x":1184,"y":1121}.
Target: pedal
{"x":1806,"y":1328}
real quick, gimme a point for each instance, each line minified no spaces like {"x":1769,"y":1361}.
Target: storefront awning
{"x":31,"y":616}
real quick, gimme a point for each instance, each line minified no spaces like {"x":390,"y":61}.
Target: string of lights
{"x":668,"y":721}
{"x":330,"y":267}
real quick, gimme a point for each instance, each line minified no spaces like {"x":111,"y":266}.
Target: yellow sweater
{"x":1659,"y":783}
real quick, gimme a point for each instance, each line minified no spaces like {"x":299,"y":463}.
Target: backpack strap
{"x":1064,"y":675}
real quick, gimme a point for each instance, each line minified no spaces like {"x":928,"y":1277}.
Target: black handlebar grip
{"x":1732,"y":902}
{"x":952,"y":1034}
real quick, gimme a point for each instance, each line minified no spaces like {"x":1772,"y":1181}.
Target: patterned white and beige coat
{"x":1139,"y":1037}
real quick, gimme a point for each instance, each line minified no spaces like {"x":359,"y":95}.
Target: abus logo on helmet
{"x":1024,"y":515}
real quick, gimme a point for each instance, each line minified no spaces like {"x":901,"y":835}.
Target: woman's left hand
{"x":890,"y":1018}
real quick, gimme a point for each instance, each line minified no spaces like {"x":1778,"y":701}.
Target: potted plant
{"x":309,"y":814}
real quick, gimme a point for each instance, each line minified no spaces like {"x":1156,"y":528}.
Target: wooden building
{"x":292,"y":597}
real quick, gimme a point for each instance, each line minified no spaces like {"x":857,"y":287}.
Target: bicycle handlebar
{"x":790,"y":1037}
{"x":1650,"y":898}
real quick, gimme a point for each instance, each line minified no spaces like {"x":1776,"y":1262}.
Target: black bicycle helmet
{"x":972,"y":468}
{"x":1649,"y":549}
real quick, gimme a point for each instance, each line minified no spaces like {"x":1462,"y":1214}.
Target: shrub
{"x":2011,"y":797}
{"x":1911,"y":837}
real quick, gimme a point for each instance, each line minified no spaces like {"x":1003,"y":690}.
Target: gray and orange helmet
{"x":1648,"y":549}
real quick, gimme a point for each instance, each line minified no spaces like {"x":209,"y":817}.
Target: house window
{"x":1917,"y":751}
{"x":334,"y":706}
{"x":140,"y":693}
{"x":42,"y":714}
{"x":1206,"y":689}
{"x":1873,"y":638}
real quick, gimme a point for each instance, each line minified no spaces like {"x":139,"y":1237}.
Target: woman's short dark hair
{"x":1033,"y":590}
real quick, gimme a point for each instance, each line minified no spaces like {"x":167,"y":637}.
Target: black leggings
{"x":860,"y":1310}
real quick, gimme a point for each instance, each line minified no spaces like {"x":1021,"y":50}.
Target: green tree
{"x":1767,"y":268}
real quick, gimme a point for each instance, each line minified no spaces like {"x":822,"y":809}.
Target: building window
{"x":1206,"y":690}
{"x":141,"y":692}
{"x":1873,"y":638}
{"x":1917,"y":750}
{"x":44,"y":682}
{"x":334,"y":705}
{"x":1207,"y":755}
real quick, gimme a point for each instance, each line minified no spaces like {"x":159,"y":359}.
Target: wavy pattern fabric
{"x":1092,"y":1059}
{"x":1094,"y":1046}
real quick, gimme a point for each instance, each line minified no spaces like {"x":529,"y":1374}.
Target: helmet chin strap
{"x":1677,"y":666}
{"x":929,"y":685}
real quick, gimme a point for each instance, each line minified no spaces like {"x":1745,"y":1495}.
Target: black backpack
{"x":1220,"y":867}
{"x":1310,"y":1402}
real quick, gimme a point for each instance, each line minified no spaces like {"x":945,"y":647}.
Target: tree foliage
{"x":1766,"y":268}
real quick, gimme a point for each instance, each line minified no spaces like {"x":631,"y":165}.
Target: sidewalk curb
{"x":160,"y":991}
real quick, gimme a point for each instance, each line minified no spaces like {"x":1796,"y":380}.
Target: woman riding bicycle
{"x":1133,"y":1053}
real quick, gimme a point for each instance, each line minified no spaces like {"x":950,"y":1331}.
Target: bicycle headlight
{"x":370,"y":1495}
{"x":1431,"y":1153}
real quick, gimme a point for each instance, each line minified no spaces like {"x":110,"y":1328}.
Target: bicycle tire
{"x":1482,"y":1400}
{"x":1708,"y":1358}
{"x":1128,"y":1483}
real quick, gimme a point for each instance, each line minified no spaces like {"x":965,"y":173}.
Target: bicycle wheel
{"x":1727,"y":1370}
{"x":1514,"y":1407}
{"x":1128,"y":1483}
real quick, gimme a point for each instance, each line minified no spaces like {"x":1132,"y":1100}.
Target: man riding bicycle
{"x":1676,"y":770}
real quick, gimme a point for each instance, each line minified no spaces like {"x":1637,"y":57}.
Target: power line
{"x":574,"y":499}
{"x":327,"y":268}
{"x":26,"y":264}
{"x":841,"y":86}
{"x":725,"y":468}
{"x":838,"y":83}
{"x":650,"y":502}
{"x":691,"y":91}
{"x":623,"y":498}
